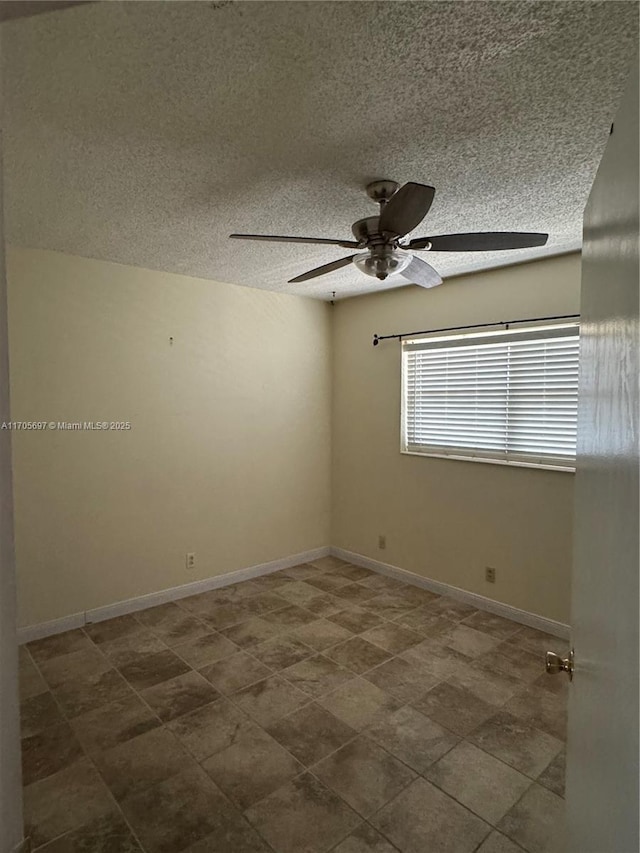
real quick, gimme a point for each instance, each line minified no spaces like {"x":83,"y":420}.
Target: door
{"x":602,"y":758}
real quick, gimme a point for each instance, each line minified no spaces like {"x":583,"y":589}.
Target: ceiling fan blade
{"x":348,"y":244}
{"x":325,"y":268}
{"x":482,"y":241}
{"x":406,"y":209}
{"x":422,"y":273}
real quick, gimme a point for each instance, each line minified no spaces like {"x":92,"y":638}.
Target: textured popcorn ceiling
{"x":144,"y":132}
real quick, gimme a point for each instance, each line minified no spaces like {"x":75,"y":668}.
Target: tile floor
{"x":320,"y":708}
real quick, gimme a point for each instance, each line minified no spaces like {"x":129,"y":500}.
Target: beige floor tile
{"x":388,"y":605}
{"x":357,"y":620}
{"x":211,"y":729}
{"x":78,"y":664}
{"x":417,"y":595}
{"x":299,"y":593}
{"x":251,"y":632}
{"x":392,"y":637}
{"x":176,"y":812}
{"x":317,"y":675}
{"x":364,"y":775}
{"x":180,"y":695}
{"x":493,"y":687}
{"x":329,"y":583}
{"x":108,"y":834}
{"x":498,"y":843}
{"x":358,"y":655}
{"x":493,"y":625}
{"x":205,"y":650}
{"x":358,"y":703}
{"x":354,"y":573}
{"x":235,"y":672}
{"x":512,"y":660}
{"x":542,"y":709}
{"x":535,"y":821}
{"x":411,"y":737}
{"x":180,"y":629}
{"x":290,"y":617}
{"x":302,"y":572}
{"x":130,"y":647}
{"x":113,"y":629}
{"x":322,"y":630}
{"x":226,"y":615}
{"x":321,"y":634}
{"x":49,"y":751}
{"x":114,"y":723}
{"x":538,"y":643}
{"x":425,"y":622}
{"x":251,"y":768}
{"x":91,"y":691}
{"x":553,"y":777}
{"x":324,"y":604}
{"x":467,"y":641}
{"x":355,"y":593}
{"x":516,"y":743}
{"x":402,"y":680}
{"x":382,"y":583}
{"x":303,"y":817}
{"x":281,"y":652}
{"x":422,"y":818}
{"x":265,"y":602}
{"x":64,"y":801}
{"x":365,"y":839}
{"x":58,"y":645}
{"x":240,"y":591}
{"x":268,"y":700}
{"x":438,"y":659}
{"x":31,"y":681}
{"x":479,"y":781}
{"x":233,"y":834}
{"x":39,"y":713}
{"x":148,"y":670}
{"x":451,"y":608}
{"x":162,"y":614}
{"x":142,"y":762}
{"x":454,"y":708}
{"x":311,"y":733}
{"x":204,"y":602}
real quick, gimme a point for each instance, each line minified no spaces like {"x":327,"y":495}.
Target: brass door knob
{"x":554,"y":663}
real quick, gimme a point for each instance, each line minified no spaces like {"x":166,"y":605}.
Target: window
{"x":508,"y":397}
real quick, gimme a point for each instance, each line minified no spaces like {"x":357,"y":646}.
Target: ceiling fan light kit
{"x":401,"y":210}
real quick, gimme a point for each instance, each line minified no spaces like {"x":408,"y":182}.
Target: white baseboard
{"x":47,"y":629}
{"x":549,"y":626}
{"x":142,"y":602}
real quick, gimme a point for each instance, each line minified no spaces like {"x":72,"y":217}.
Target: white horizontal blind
{"x":509,"y":396}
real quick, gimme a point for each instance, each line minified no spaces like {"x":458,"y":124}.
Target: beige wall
{"x":447,"y":519}
{"x":229,"y":451}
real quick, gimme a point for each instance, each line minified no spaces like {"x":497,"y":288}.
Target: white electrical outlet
{"x":190,"y":560}
{"x":490,"y":574}
{"x":382,"y":541}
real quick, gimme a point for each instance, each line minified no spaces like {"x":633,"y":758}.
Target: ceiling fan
{"x":401,"y":210}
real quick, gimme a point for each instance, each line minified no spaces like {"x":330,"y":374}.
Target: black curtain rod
{"x":507,"y":323}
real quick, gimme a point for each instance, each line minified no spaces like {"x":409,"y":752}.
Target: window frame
{"x":492,"y":457}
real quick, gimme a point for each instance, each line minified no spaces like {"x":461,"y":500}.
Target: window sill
{"x":515,"y":463}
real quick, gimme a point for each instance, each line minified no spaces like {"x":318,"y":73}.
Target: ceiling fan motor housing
{"x":367,"y":231}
